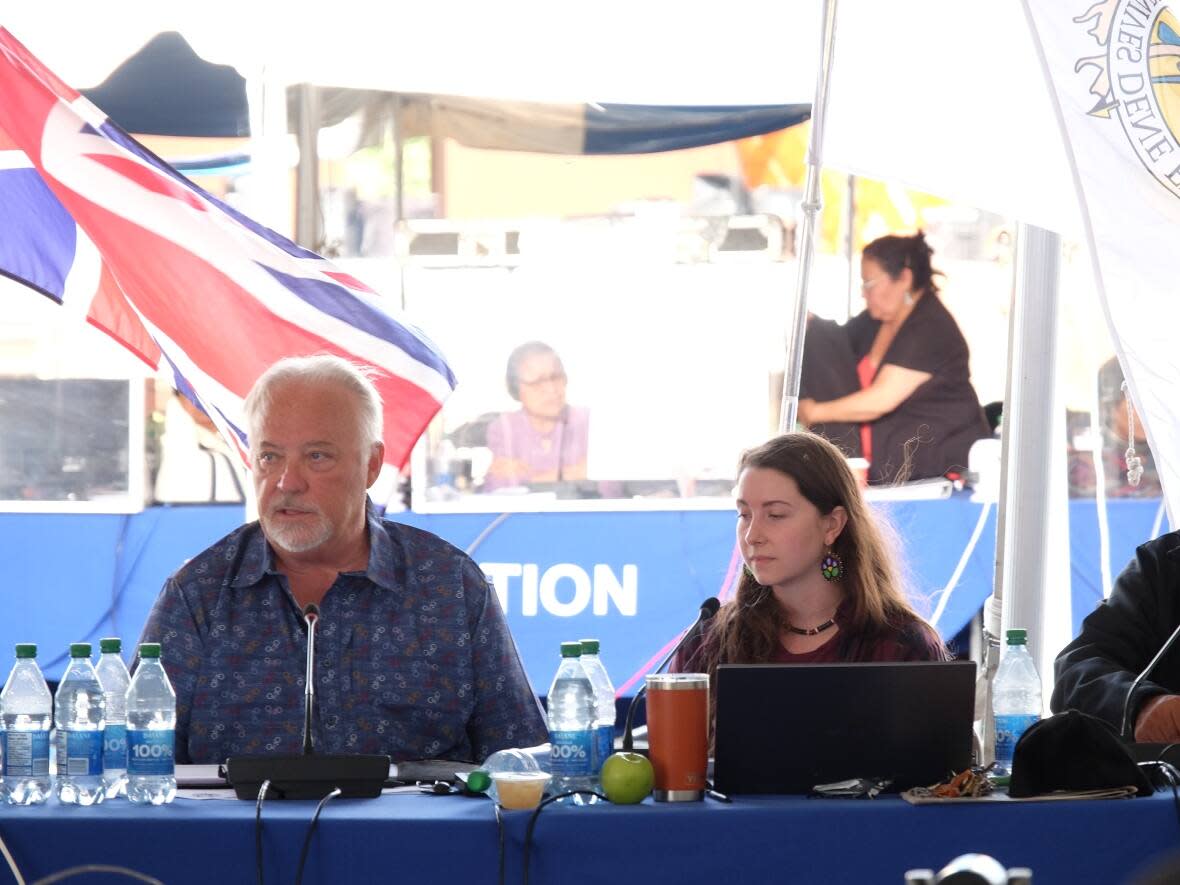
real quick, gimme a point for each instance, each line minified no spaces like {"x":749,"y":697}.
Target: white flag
{"x":1113,"y":66}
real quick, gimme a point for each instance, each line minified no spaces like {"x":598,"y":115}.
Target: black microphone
{"x":311,"y":616}
{"x":1124,"y":731}
{"x":708,"y":608}
{"x":308,"y":775}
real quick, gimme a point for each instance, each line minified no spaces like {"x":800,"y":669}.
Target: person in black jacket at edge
{"x":1118,"y":640}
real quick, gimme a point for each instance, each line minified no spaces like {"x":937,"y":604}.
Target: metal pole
{"x":270,"y":192}
{"x":307,"y":191}
{"x":850,"y":246}
{"x":1024,"y":560}
{"x":811,"y":205}
{"x":401,"y":235}
{"x":399,"y":154}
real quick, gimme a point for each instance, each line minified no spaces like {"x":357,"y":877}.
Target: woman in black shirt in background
{"x":918,"y":410}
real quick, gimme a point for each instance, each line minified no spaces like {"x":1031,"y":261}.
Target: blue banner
{"x":633,"y":580}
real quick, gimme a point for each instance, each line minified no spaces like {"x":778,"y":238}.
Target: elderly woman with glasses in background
{"x":917,"y":409}
{"x":546,"y":440}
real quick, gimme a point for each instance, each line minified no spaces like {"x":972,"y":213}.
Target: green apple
{"x":627,"y":778}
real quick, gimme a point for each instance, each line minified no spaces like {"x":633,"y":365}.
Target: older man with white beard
{"x":414,"y":658}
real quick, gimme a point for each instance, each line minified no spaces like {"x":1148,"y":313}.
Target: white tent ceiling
{"x":942,"y":95}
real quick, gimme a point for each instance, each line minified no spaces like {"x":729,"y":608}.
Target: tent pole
{"x":1025,"y":562}
{"x":812,"y":202}
{"x":307,"y":188}
{"x":402,"y":236}
{"x":850,"y":247}
{"x":269,"y":197}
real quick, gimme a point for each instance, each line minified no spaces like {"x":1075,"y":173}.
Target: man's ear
{"x":376,"y":459}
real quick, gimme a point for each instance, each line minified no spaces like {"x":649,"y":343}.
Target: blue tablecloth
{"x":427,"y":839}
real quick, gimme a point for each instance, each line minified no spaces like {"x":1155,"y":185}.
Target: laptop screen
{"x":785,"y":728}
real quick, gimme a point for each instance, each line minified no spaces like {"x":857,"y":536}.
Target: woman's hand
{"x":805,"y":411}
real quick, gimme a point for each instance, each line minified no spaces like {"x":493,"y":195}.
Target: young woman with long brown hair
{"x":820,"y":583}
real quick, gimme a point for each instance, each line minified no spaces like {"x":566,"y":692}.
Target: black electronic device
{"x":786,"y":728}
{"x":308,"y":775}
{"x":709,"y":608}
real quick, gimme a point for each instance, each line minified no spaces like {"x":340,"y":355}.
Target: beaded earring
{"x":832,"y":566}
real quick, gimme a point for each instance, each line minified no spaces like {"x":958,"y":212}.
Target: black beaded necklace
{"x":810,"y":631}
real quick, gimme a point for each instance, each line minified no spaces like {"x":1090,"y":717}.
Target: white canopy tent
{"x":945,"y":97}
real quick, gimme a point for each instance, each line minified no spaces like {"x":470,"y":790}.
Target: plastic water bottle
{"x":604,"y":701}
{"x":1016,"y":698}
{"x":26,"y":716}
{"x":151,"y":731}
{"x":79,"y":710}
{"x":113,"y":675}
{"x":571,"y":720}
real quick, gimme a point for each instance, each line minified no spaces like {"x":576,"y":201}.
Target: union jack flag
{"x":94,"y":220}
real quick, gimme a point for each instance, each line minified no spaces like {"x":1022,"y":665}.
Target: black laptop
{"x":785,"y":728}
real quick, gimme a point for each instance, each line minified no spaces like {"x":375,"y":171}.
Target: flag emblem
{"x":1135,"y":77}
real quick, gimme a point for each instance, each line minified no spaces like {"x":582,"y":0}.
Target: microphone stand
{"x":562,"y":427}
{"x":308,"y":775}
{"x":311,"y":615}
{"x":1125,"y":732}
{"x":708,"y":608}
{"x":628,"y":736}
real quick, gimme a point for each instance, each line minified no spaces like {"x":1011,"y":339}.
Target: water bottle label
{"x":1008,"y":732}
{"x":114,"y":748}
{"x":83,"y":754}
{"x":150,"y":752}
{"x":571,"y":753}
{"x":604,"y":745}
{"x":26,"y":753}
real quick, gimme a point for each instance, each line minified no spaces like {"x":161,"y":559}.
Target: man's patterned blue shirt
{"x":413,"y":655}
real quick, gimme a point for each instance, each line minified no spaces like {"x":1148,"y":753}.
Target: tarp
{"x":165,"y":88}
{"x":616,"y":51}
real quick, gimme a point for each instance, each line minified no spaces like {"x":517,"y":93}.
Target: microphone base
{"x":308,"y":776}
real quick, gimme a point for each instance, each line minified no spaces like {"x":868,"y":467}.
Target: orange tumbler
{"x":678,"y":734}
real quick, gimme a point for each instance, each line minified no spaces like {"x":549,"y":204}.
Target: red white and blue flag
{"x":95,"y":221}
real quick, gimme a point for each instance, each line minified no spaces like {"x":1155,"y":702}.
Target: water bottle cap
{"x":26,"y":650}
{"x":110,"y":645}
{"x":1018,"y":636}
{"x":571,"y":649}
{"x":589,"y":646}
{"x":79,"y":649}
{"x":149,"y":649}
